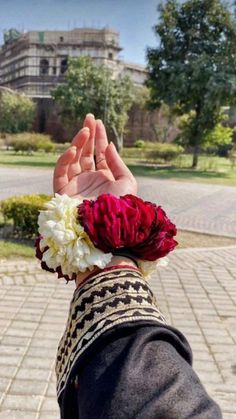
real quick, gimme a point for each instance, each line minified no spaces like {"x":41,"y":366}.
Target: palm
{"x":76,"y":173}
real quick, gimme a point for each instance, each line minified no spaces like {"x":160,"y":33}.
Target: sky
{"x":133,"y":19}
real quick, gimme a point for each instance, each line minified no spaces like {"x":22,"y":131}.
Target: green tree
{"x":17,"y":112}
{"x":220,"y":135}
{"x":194,"y":67}
{"x":92,"y":88}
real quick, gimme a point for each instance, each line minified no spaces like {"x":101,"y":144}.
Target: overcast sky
{"x":134,"y":19}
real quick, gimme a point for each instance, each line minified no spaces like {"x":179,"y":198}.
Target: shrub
{"x":139,"y":144}
{"x":23,"y":210}
{"x":166,"y":152}
{"x":133,"y":152}
{"x":30,"y":142}
{"x":154,"y":152}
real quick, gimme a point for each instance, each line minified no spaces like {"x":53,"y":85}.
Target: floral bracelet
{"x":77,"y":236}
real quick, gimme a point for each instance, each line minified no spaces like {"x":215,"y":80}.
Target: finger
{"x":116,"y":164}
{"x":79,"y":142}
{"x":101,"y":144}
{"x":60,"y":175}
{"x":87,"y":155}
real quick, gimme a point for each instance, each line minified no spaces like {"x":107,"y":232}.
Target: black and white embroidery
{"x":107,"y":299}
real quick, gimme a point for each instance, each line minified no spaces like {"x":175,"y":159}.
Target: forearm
{"x":142,"y":372}
{"x":126,"y":361}
{"x":101,"y":304}
{"x":115,"y":261}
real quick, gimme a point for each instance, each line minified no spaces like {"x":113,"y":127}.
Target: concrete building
{"x":35,"y":62}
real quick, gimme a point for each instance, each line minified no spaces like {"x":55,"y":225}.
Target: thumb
{"x":116,"y":164}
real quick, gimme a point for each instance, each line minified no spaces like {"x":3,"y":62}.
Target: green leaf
{"x":193,"y":68}
{"x":91,"y":88}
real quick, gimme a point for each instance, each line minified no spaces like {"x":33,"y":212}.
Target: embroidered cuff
{"x":105,"y":300}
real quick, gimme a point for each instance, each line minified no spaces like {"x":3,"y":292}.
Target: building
{"x":35,"y":62}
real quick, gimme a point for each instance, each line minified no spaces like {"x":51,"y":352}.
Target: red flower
{"x":160,"y":240}
{"x":128,"y":222}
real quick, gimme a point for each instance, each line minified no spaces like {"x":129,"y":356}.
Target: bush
{"x":154,"y":152}
{"x":139,"y":144}
{"x":166,"y":152}
{"x":30,"y":142}
{"x":133,"y":152}
{"x":24,"y":210}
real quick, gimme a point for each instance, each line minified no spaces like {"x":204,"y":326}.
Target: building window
{"x":64,"y":63}
{"x":110,"y":56}
{"x":54,"y":70}
{"x":44,"y":66}
{"x":61,"y":38}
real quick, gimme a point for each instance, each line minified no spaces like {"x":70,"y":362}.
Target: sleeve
{"x":143,"y":374}
{"x":118,"y":359}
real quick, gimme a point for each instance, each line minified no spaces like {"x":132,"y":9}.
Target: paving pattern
{"x":192,"y":206}
{"x":197,"y":293}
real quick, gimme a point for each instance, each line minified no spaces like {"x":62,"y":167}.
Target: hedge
{"x":153,"y":152}
{"x":166,"y":152}
{"x":23,"y":211}
{"x":30,"y":142}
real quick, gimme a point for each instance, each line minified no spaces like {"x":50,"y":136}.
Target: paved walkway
{"x":197,"y":292}
{"x":192,"y":206}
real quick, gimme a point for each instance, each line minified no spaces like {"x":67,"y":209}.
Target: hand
{"x":76,"y":173}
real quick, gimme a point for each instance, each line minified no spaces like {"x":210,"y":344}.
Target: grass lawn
{"x":211,"y":169}
{"x":186,"y":239}
{"x":12,"y":249}
{"x":44,"y":160}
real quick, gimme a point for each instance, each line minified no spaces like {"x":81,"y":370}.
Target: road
{"x":192,"y":206}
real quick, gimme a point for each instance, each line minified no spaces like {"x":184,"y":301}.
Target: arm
{"x":143,"y":373}
{"x":136,"y":368}
{"x":117,"y":357}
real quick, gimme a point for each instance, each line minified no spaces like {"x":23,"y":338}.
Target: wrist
{"x":116,"y":260}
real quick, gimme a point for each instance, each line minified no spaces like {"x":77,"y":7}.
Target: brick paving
{"x":192,"y":206}
{"x":197,"y":293}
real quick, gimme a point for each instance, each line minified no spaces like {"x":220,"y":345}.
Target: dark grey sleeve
{"x":143,"y":373}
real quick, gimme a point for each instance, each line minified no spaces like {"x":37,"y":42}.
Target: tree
{"x":92,"y":88}
{"x":17,"y":112}
{"x":194,"y":67}
{"x":166,"y":124}
{"x":220,"y":135}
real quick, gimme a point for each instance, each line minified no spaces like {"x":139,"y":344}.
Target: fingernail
{"x":90,"y":114}
{"x":85,"y":129}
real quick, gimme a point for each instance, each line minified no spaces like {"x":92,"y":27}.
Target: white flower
{"x":162,"y":262}
{"x":69,"y":245}
{"x":148,"y":267}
